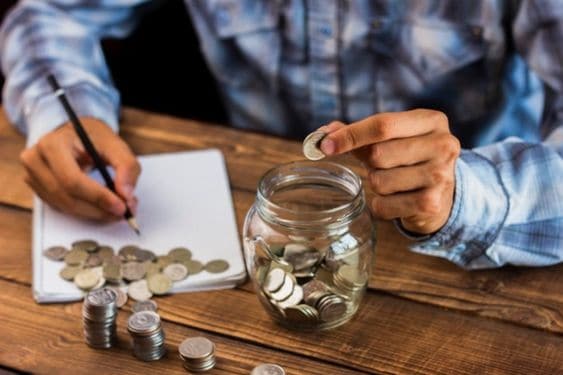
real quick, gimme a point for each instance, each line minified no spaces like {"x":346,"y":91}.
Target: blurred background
{"x":158,"y":61}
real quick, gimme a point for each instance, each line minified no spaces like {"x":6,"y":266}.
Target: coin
{"x":285,"y":290}
{"x":86,"y":245}
{"x":159,"y":284}
{"x":56,"y":253}
{"x":267,"y":369}
{"x":196,"y":348}
{"x":133,"y":271}
{"x":193,"y":266}
{"x":301,"y":314}
{"x":274,"y":280}
{"x":294,"y":298}
{"x":151,"y":268}
{"x":139,"y":290}
{"x":121,"y":298}
{"x":301,"y":256}
{"x":112,"y":272}
{"x":176,"y":271}
{"x":179,"y":254}
{"x":331,"y":307}
{"x":144,"y":255}
{"x":86,"y":279}
{"x":163,"y":261}
{"x":217,"y":266}
{"x":76,"y":256}
{"x":146,"y":305}
{"x":311,"y":146}
{"x":143,"y":322}
{"x":128,"y":252}
{"x":69,"y":272}
{"x":93,"y":260}
{"x":105,"y":253}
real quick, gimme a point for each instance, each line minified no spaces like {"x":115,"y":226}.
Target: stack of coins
{"x":147,"y":334}
{"x":99,"y":313}
{"x":198,"y":354}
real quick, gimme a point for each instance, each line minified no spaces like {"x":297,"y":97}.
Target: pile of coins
{"x":197,"y":353}
{"x":308,"y":287}
{"x":147,"y":334}
{"x":99,"y":313}
{"x":91,"y":265}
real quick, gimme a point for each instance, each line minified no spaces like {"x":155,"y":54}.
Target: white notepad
{"x":184,"y":200}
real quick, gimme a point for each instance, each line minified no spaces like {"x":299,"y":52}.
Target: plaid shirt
{"x":494,"y":67}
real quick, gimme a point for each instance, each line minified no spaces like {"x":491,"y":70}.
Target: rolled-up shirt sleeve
{"x":62,"y":38}
{"x":508,"y":204}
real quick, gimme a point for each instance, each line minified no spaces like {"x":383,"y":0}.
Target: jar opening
{"x":308,"y":194}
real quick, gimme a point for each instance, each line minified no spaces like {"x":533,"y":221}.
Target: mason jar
{"x":309,"y":242}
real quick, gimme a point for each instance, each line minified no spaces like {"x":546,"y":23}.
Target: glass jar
{"x":309,"y":242}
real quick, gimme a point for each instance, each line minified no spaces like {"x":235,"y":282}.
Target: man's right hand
{"x":56,"y":170}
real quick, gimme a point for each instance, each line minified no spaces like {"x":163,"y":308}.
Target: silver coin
{"x":121,"y":296}
{"x":294,"y":298}
{"x":286,"y":288}
{"x":176,"y":271}
{"x":147,"y":305}
{"x":267,"y":369}
{"x":143,"y":321}
{"x":311,"y":146}
{"x":101,"y":297}
{"x":139,"y":290}
{"x":301,"y":256}
{"x":133,"y":271}
{"x":196,"y":348}
{"x":55,"y":253}
{"x":274,"y":280}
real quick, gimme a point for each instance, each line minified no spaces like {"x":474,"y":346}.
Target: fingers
{"x":74,"y":182}
{"x":410,"y":151}
{"x":402,"y":179}
{"x":383,"y":127}
{"x":127,"y":168}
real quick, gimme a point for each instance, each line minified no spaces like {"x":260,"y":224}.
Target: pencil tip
{"x":133,"y":224}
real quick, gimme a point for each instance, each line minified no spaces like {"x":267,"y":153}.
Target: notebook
{"x":184,"y":200}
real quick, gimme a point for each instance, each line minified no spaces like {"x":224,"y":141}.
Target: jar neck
{"x":310,"y":196}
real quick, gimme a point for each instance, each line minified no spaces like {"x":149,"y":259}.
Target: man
{"x":480,"y":72}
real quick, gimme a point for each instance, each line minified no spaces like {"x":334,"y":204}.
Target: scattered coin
{"x":159,"y":284}
{"x":86,"y":279}
{"x":151,"y":268}
{"x":93,"y":260}
{"x":105,"y":252}
{"x":198,"y":354}
{"x":56,"y":253}
{"x":76,"y":256}
{"x":163,"y":260}
{"x":86,"y":245}
{"x":311,"y":146}
{"x":193,"y":266}
{"x":179,"y":254}
{"x":176,"y":271}
{"x":217,"y":266}
{"x":146,"y":305}
{"x":139,"y":290}
{"x":69,"y":272}
{"x":112,"y":272}
{"x":267,"y":369}
{"x":133,"y":271}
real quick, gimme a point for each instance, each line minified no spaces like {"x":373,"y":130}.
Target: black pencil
{"x":90,"y":149}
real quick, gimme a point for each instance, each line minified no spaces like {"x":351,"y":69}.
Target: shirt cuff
{"x":478,"y":213}
{"x":48,"y":113}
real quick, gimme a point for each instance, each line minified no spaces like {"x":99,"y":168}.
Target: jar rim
{"x":342,"y":214}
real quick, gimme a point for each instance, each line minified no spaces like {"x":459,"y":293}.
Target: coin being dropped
{"x":159,"y":284}
{"x":55,"y":253}
{"x":176,"y":271}
{"x":147,"y":305}
{"x":312,"y":146}
{"x":267,"y":369}
{"x":217,"y":266}
{"x":139,"y":290}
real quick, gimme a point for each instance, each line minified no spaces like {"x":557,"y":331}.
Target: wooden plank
{"x":530,"y":297}
{"x":46,"y":339}
{"x":14,"y":191}
{"x":389,"y":334}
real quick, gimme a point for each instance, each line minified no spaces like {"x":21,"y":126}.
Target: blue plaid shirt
{"x":494,"y":67}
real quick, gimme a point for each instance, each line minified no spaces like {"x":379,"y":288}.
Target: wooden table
{"x":421,"y":314}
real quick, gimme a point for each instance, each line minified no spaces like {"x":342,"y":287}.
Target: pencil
{"x":90,"y":149}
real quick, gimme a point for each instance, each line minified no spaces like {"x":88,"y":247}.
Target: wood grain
{"x":390,"y":335}
{"x":47,"y":339}
{"x":525,"y":296}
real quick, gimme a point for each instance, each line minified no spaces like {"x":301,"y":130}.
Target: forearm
{"x":58,"y":37}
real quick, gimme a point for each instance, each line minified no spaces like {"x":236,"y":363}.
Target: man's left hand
{"x":411,"y":159}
